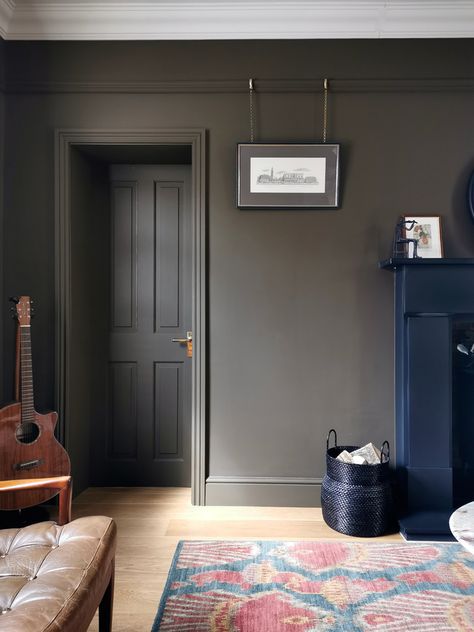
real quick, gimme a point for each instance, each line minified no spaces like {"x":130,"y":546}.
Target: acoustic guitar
{"x":28,"y":447}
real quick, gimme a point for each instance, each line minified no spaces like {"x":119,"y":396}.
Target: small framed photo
{"x":287,"y":176}
{"x":426,"y":230}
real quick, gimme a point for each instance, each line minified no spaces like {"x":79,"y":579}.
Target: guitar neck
{"x":26,"y":375}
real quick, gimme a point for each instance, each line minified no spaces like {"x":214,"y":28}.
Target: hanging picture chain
{"x":251,"y":110}
{"x":325,"y":111}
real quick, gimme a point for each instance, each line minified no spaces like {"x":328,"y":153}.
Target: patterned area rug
{"x":318,"y":586}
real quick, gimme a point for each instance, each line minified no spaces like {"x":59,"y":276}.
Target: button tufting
{"x":92,"y":539}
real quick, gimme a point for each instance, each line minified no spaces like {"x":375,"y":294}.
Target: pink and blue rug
{"x":330,"y":586}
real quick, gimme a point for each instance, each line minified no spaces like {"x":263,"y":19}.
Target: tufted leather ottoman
{"x":53,"y":578}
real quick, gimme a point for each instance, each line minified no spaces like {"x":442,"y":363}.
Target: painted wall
{"x":300,"y":317}
{"x":89,"y":314}
{"x":2,"y":147}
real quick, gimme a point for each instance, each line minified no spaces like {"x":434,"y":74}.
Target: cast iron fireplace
{"x":434,"y":386}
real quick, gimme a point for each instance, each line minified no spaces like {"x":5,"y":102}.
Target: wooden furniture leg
{"x":107,"y":604}
{"x":62,"y":483}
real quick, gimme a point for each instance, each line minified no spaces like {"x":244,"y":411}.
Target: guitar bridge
{"x":27,"y":465}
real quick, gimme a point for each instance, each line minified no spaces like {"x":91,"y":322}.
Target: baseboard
{"x":263,"y":491}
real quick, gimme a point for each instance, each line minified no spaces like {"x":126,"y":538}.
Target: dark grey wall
{"x":2,"y":146}
{"x":300,"y":317}
{"x":89,"y":311}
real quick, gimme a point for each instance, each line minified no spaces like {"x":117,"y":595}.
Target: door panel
{"x":169,"y":382}
{"x":122,"y":431}
{"x":167,"y":270}
{"x":124,"y":256}
{"x":148,"y":427}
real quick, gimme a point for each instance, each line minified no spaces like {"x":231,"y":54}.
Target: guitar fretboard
{"x":26,"y":372}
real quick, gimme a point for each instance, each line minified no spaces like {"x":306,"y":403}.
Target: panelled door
{"x":148,"y":430}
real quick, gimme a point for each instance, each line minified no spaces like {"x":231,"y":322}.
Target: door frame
{"x":65,"y":141}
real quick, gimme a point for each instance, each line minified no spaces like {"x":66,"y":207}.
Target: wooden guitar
{"x":28,"y":447}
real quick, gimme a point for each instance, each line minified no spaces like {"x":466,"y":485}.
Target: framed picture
{"x":279,"y":176}
{"x":427,"y":232}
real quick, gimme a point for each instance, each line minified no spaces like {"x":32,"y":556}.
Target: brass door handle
{"x":188,"y":341}
{"x":189,"y":337}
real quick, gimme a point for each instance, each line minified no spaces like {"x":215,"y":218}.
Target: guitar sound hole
{"x":27,"y":433}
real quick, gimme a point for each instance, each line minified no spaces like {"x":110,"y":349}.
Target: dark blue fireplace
{"x":434,"y":385}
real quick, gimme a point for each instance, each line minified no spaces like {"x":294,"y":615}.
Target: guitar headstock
{"x":23,"y":311}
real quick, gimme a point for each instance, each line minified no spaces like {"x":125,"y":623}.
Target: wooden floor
{"x":151,"y":521}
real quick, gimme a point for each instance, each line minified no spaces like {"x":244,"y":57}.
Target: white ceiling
{"x":229,"y":19}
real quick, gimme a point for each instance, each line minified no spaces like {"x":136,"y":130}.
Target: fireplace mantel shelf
{"x":393,"y":264}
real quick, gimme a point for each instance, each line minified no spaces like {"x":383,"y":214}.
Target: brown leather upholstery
{"x":53,"y":578}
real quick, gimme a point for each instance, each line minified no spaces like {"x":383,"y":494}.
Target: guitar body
{"x":28,"y":447}
{"x":38,"y":455}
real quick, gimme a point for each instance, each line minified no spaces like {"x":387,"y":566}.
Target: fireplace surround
{"x":434,"y":392}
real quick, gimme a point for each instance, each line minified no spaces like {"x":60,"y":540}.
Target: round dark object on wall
{"x":470,"y":196}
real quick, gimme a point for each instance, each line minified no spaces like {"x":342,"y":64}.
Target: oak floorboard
{"x":151,"y":521}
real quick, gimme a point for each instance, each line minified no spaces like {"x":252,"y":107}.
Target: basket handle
{"x":335,"y":439}
{"x":382,"y":453}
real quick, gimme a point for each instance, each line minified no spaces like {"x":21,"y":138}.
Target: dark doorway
{"x":129,"y":389}
{"x":148,"y":425}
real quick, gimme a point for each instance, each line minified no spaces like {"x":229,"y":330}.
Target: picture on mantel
{"x":426,"y":231}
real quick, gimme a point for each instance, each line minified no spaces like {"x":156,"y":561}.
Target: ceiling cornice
{"x":7,"y":8}
{"x":239,"y":19}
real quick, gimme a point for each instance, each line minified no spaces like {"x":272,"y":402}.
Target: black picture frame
{"x":287,"y":176}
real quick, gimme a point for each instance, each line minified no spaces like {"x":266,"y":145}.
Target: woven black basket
{"x":357,"y":499}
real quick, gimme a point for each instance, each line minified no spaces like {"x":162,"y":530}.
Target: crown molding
{"x":239,"y":19}
{"x":7,"y":7}
{"x":225,"y":86}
